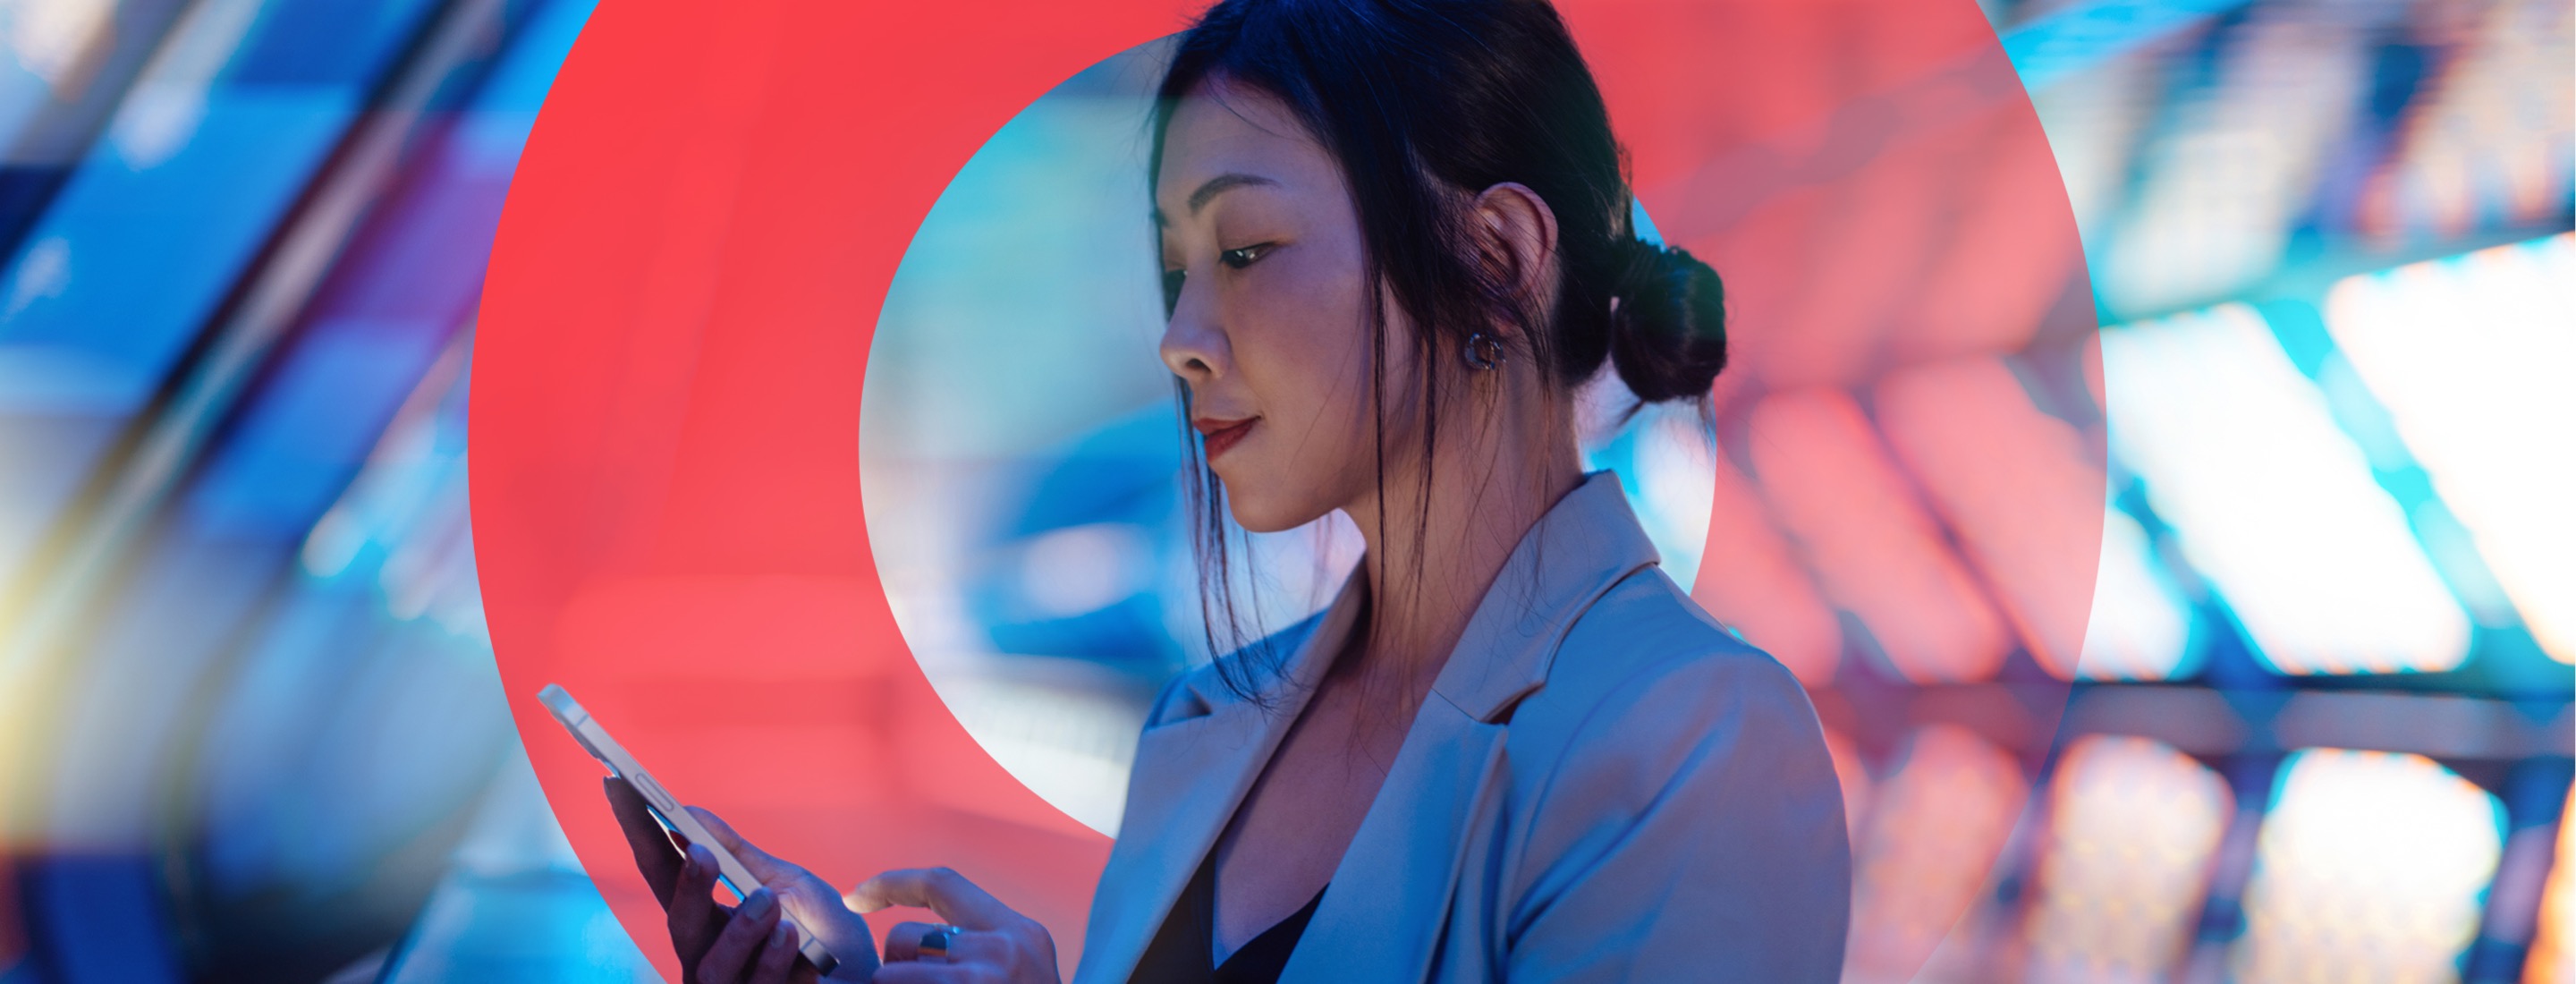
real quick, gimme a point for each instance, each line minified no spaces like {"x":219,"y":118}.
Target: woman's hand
{"x":720,"y":944}
{"x":989,"y":944}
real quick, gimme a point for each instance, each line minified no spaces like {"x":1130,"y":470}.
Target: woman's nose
{"x":1193,"y":347}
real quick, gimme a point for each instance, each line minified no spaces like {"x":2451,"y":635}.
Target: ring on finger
{"x":934,"y":944}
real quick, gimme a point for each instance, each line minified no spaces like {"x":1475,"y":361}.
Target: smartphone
{"x":666,"y":808}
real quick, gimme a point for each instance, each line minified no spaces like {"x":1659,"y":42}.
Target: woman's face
{"x":1270,"y":323}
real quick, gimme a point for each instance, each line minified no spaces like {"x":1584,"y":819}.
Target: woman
{"x":1396,"y":237}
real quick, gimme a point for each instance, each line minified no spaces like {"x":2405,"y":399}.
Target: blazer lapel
{"x":1215,"y":752}
{"x":1189,"y":776}
{"x":1389,"y":901}
{"x":1390,"y":898}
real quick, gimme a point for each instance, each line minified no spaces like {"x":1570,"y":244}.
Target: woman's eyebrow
{"x":1213,"y":187}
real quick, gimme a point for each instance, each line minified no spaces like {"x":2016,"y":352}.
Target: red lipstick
{"x":1222,"y":434}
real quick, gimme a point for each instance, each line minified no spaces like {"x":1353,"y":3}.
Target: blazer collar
{"x":1587,"y":543}
{"x":1386,"y":912}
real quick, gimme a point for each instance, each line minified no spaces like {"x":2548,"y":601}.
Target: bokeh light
{"x":2272,"y":500}
{"x":1923,"y":857}
{"x":2552,"y":958}
{"x":2371,"y":867}
{"x":2470,"y":356}
{"x":1830,"y":480}
{"x":2141,"y":629}
{"x":2132,"y":827}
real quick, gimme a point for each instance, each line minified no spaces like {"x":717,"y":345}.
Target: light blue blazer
{"x":1604,"y":785}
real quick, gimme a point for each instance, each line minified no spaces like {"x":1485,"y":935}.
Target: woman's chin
{"x":1259,"y":514}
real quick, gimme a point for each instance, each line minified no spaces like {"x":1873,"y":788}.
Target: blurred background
{"x":2318,"y":727}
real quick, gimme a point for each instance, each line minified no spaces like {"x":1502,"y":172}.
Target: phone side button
{"x":654,"y":793}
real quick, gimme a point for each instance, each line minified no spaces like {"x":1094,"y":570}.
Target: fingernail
{"x":778,"y":934}
{"x":758,"y":904}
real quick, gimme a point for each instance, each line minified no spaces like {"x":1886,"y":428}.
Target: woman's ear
{"x":1516,"y":241}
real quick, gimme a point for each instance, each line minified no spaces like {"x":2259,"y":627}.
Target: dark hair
{"x":1417,"y":99}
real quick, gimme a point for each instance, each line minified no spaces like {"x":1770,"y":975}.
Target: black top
{"x":1183,"y":949}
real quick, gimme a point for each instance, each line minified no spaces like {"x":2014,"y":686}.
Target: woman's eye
{"x":1172,"y":291}
{"x":1241,"y":257}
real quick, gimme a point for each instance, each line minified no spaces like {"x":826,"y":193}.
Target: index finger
{"x":940,"y":890}
{"x":655,"y":854}
{"x":768,"y":869}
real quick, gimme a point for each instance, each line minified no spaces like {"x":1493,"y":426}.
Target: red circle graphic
{"x":708,"y":216}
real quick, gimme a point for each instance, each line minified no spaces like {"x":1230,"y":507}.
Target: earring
{"x":1484,"y":351}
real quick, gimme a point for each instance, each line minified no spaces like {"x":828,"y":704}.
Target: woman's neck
{"x":1429,"y":564}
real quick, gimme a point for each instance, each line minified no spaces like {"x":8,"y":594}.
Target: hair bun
{"x":1668,"y":330}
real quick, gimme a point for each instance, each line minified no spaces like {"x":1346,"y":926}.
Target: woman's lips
{"x":1223,"y":434}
